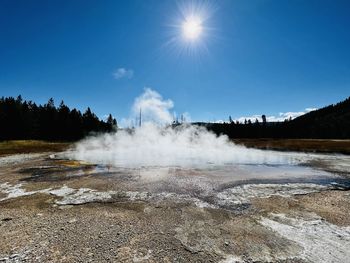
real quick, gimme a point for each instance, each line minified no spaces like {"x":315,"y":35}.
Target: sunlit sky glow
{"x":211,"y":58}
{"x":192,"y":28}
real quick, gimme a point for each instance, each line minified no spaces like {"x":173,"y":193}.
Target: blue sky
{"x":261,"y":56}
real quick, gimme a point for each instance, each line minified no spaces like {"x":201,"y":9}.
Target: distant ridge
{"x":330,"y":122}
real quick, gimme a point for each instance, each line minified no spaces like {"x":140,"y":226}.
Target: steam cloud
{"x":154,"y":144}
{"x":154,"y":108}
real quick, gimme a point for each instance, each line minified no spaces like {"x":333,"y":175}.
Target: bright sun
{"x":192,"y":28}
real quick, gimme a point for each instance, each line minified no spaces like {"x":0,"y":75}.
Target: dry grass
{"x":71,"y":163}
{"x":31,"y":146}
{"x":303,"y":145}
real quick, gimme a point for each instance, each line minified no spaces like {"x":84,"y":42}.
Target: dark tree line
{"x":25,"y":120}
{"x":331,"y":122}
{"x":20,"y":119}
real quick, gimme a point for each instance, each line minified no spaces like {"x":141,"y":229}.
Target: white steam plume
{"x":152,"y":145}
{"x":159,"y":145}
{"x":154,"y":109}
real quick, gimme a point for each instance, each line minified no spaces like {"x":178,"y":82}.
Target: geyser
{"x":158,"y":144}
{"x":152,"y":145}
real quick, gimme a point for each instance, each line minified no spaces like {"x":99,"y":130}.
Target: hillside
{"x":330,"y":122}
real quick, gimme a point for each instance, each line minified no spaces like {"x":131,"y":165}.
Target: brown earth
{"x":35,"y":228}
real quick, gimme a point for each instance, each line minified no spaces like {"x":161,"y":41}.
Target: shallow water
{"x":194,"y":177}
{"x":229,"y":185}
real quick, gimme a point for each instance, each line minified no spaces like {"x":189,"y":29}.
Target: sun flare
{"x":192,"y":28}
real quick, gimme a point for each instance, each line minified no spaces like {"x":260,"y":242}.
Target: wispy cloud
{"x":280,"y":117}
{"x":123,"y":73}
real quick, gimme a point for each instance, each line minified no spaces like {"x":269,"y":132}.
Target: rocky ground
{"x":54,"y":210}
